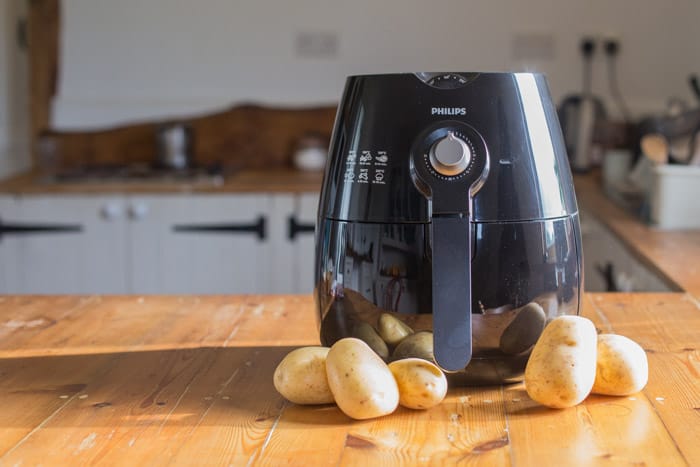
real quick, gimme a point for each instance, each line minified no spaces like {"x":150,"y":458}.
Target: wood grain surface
{"x":188,"y":381}
{"x":245,"y":181}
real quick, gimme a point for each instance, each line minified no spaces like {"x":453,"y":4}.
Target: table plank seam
{"x":39,"y":426}
{"x":269,"y":435}
{"x":610,"y":329}
{"x":663,"y":423}
{"x":692,"y":299}
{"x":506,"y":417}
{"x":175,"y":406}
{"x":599,"y":313}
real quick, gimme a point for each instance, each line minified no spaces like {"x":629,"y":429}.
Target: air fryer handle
{"x":452,"y":291}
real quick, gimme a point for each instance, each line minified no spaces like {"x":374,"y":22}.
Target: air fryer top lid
{"x":505,"y":123}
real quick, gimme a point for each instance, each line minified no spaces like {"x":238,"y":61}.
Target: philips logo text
{"x":448,"y":111}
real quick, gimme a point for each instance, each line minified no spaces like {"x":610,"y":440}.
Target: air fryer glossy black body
{"x":381,"y":203}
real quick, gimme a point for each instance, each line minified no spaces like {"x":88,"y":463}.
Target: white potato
{"x":301,"y":376}
{"x":522,"y":333}
{"x":622,"y":367}
{"x":365,"y":332}
{"x":392,"y":329}
{"x":421,"y":383}
{"x":418,"y":345}
{"x":561,"y":369}
{"x":361,"y":383}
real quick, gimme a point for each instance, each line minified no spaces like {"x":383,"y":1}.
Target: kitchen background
{"x":133,"y":61}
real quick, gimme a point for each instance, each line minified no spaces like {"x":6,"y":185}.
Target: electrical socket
{"x":611,"y":45}
{"x":588,"y":45}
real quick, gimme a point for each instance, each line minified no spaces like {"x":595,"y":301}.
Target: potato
{"x":361,"y":383}
{"x":392,"y":330}
{"x":421,"y":384}
{"x":561,"y":369}
{"x":301,"y":376}
{"x":365,"y":331}
{"x":622,"y":366}
{"x":522,"y":333}
{"x":418,"y":345}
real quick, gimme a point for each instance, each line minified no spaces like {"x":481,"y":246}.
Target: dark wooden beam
{"x":43,"y":29}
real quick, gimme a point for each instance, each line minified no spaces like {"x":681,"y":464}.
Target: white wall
{"x":14,"y":120}
{"x":140,"y":59}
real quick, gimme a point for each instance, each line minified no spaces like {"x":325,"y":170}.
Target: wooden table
{"x":188,"y":380}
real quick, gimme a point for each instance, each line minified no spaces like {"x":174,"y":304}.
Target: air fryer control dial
{"x":450,"y":155}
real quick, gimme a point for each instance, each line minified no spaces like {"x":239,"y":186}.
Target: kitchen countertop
{"x":245,"y":181}
{"x":183,"y":380}
{"x":674,"y":255}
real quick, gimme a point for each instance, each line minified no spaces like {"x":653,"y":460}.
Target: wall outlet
{"x":533,"y":46}
{"x":316,"y":44}
{"x":611,"y":44}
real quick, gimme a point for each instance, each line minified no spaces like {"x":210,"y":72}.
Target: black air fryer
{"x":448,"y":203}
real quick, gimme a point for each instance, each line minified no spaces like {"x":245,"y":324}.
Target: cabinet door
{"x":303,"y":242}
{"x":63,"y":244}
{"x":199,"y":244}
{"x":282,"y":256}
{"x":7,"y":256}
{"x":601,"y":250}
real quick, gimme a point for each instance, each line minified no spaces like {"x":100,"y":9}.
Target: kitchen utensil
{"x":579,"y":113}
{"x":673,"y":190}
{"x":679,"y":126}
{"x":695,"y":85}
{"x":616,"y":167}
{"x":174,"y":146}
{"x":656,"y":147}
{"x":311,"y":153}
{"x":678,"y":130}
{"x":448,"y":203}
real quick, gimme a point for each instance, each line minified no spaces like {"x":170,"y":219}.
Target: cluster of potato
{"x":395,"y":340}
{"x":353,"y":376}
{"x":353,"y":372}
{"x":570,"y":361}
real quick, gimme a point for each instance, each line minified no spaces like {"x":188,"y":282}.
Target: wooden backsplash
{"x":247,"y":136}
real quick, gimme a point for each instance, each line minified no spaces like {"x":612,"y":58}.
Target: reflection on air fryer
{"x":371,"y":270}
{"x":503,"y":337}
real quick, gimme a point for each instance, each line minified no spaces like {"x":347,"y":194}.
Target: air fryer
{"x":448,"y":203}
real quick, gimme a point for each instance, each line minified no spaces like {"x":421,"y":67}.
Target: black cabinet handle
{"x":258,"y":227}
{"x":295,"y":227}
{"x":29,"y":229}
{"x":607,"y":270}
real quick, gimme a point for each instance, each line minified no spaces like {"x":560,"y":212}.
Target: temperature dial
{"x":448,"y":81}
{"x":450,"y":155}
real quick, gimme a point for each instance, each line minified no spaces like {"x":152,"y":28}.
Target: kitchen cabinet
{"x":203,"y":244}
{"x":301,"y":239}
{"x":220,"y":244}
{"x":7,"y":211}
{"x":158,"y":244}
{"x":62,"y":244}
{"x":609,"y":266}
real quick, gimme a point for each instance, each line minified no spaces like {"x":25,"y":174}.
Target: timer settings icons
{"x":366,"y":166}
